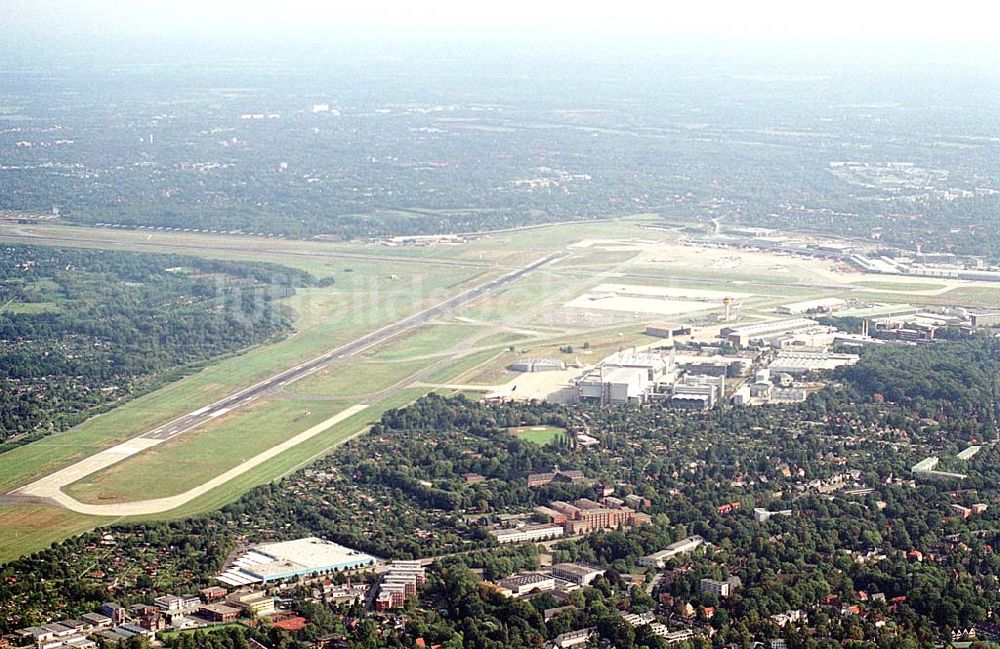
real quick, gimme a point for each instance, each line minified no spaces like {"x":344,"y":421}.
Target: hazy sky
{"x":768,"y":20}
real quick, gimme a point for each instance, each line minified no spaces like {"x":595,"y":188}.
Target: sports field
{"x":540,"y":435}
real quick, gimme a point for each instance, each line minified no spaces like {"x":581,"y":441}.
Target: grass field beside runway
{"x":325,"y":318}
{"x":382,"y":285}
{"x":193,"y":458}
{"x":424,"y":341}
{"x":29,"y":528}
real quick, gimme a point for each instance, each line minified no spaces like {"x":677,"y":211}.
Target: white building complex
{"x":528,"y":533}
{"x":660,"y":559}
{"x":626,"y":376}
{"x":780,"y":333}
{"x":811,"y":306}
{"x":814,"y":360}
{"x":699,"y":391}
{"x":927,"y":469}
{"x":299,"y":558}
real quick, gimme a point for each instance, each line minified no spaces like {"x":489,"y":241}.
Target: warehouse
{"x":525,"y":583}
{"x":528,"y":533}
{"x":299,"y":558}
{"x":984,"y":319}
{"x":927,"y":469}
{"x":698,"y":391}
{"x":537,"y":365}
{"x":613,"y":385}
{"x":802,"y":362}
{"x":660,"y":559}
{"x":822,"y":305}
{"x":625,"y":376}
{"x":667,"y":330}
{"x":576,"y":573}
{"x":880,"y":311}
{"x":743,"y":335}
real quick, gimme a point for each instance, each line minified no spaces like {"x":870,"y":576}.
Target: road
{"x":49,"y":488}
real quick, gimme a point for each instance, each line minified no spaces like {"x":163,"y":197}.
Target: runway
{"x":49,"y":488}
{"x":246,"y":396}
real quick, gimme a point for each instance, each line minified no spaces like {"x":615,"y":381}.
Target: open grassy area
{"x":375,"y":285}
{"x":453,"y":372}
{"x":28,"y":528}
{"x":424,"y":340}
{"x":355,"y":380}
{"x":983,"y":297}
{"x":540,"y":435}
{"x":504,"y":338}
{"x":293,"y":459}
{"x":602,"y":342}
{"x":194,"y":458}
{"x":30,"y":308}
{"x":900,"y":286}
{"x":987,"y":297}
{"x":327,"y":316}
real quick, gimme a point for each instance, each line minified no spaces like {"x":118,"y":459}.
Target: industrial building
{"x":968,"y":453}
{"x":699,"y":391}
{"x":660,"y":559}
{"x":984,"y":319}
{"x":762,"y":515}
{"x":787,"y":395}
{"x":616,"y":385}
{"x":824,"y":305}
{"x":299,"y":558}
{"x":667,"y":330}
{"x":814,"y":360}
{"x":525,"y":583}
{"x":624,"y":377}
{"x":879,"y":311}
{"x":177,"y":604}
{"x":576,"y":573}
{"x":537,"y":365}
{"x":254,"y":603}
{"x":926,"y":469}
{"x":528,"y":533}
{"x":745,"y":335}
{"x":219,"y":613}
{"x":585,"y":515}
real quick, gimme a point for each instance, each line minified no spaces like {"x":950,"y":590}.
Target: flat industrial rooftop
{"x":308,"y":555}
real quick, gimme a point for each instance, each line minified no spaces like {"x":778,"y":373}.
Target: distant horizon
{"x":854,"y":30}
{"x":405,"y":46}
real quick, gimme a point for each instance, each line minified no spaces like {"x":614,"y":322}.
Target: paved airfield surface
{"x":49,"y":488}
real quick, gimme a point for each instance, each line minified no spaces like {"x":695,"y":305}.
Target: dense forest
{"x":82,"y":330}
